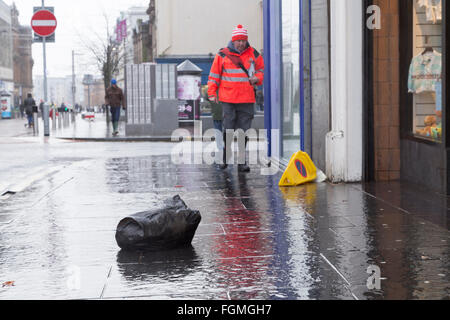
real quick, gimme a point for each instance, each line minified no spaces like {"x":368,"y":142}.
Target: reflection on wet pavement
{"x":255,"y":241}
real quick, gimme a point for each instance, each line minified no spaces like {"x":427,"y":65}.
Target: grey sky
{"x":75,"y":19}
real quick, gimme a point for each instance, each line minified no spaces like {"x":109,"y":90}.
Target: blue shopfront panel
{"x":203,"y":63}
{"x":273,"y":76}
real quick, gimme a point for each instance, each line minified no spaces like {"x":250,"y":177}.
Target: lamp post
{"x":74,"y":87}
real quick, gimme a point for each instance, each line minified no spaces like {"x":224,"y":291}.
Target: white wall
{"x":320,"y":73}
{"x":200,"y":27}
{"x":344,"y":142}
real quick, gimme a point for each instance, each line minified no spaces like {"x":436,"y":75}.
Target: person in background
{"x":115,"y":99}
{"x":22,"y":110}
{"x":41,"y":108}
{"x":217,"y":117}
{"x":29,"y":103}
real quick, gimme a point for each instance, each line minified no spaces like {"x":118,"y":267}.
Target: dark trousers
{"x":236,"y":116}
{"x":218,"y":125}
{"x":30,"y":119}
{"x":115,"y":114}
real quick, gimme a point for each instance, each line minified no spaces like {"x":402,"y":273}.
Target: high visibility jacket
{"x":231,"y":81}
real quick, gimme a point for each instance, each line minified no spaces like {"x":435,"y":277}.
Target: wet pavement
{"x":255,"y":240}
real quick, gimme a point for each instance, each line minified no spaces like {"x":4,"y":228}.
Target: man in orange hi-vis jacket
{"x":235,"y":72}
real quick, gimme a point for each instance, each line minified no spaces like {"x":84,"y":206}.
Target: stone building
{"x":22,"y":57}
{"x":142,"y":43}
{"x":6,"y":49}
{"x":94,"y":93}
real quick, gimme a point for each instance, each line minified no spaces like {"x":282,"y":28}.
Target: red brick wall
{"x":386,"y":93}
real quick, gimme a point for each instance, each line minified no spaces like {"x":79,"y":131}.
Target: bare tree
{"x":105,"y":51}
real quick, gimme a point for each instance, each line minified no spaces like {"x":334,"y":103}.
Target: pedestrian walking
{"x":217,"y":117}
{"x":22,"y":110}
{"x":29,"y":103}
{"x":235,"y":72}
{"x":41,"y":108}
{"x":115,"y":99}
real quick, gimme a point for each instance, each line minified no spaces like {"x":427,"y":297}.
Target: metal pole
{"x":53,"y":118}
{"x":73,"y":78}
{"x":74,"y":89}
{"x":45,"y":62}
{"x":45,"y":115}
{"x":89,"y":96}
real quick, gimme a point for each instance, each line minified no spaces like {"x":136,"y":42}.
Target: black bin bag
{"x":169,"y":226}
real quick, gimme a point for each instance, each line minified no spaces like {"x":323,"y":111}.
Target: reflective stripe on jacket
{"x":233,"y":83}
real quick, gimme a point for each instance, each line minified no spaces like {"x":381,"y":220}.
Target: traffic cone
{"x":300,"y":170}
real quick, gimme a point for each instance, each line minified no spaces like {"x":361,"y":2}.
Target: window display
{"x":425,"y":72}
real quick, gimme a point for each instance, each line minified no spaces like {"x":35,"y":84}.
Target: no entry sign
{"x":43,"y":23}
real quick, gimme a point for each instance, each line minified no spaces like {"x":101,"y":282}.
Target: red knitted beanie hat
{"x":239,"y":34}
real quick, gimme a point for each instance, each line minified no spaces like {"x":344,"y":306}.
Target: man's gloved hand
{"x":254,"y":80}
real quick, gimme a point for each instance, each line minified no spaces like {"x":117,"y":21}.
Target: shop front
{"x":407,"y":116}
{"x":292,"y":78}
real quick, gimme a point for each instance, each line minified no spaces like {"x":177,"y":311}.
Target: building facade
{"x":370,"y":102}
{"x":142,"y":43}
{"x":196,"y":29}
{"x":124,"y":34}
{"x":22,"y":58}
{"x":94,"y":95}
{"x":297,"y":88}
{"x":6,"y":49}
{"x":407,"y":91}
{"x":59,"y":89}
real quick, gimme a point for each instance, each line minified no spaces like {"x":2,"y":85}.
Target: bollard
{"x":60,"y":120}
{"x":46,"y":119}
{"x":35,"y":121}
{"x":53,"y":119}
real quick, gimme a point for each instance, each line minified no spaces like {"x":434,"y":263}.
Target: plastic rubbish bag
{"x":170,"y":226}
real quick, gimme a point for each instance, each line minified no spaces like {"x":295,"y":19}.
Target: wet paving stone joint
{"x":255,"y":241}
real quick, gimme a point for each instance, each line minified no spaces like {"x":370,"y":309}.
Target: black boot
{"x":224,"y":165}
{"x":244,"y":167}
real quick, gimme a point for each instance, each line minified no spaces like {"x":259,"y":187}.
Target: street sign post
{"x":43,"y":23}
{"x":37,"y":38}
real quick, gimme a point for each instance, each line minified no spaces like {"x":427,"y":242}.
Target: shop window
{"x":291,"y":77}
{"x":425,"y":72}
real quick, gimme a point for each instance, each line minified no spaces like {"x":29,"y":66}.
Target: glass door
{"x":291,"y":86}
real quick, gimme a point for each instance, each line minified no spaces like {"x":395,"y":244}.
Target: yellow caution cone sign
{"x":300,"y":170}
